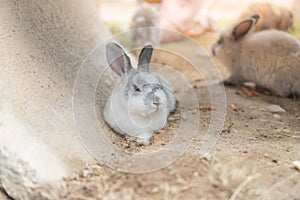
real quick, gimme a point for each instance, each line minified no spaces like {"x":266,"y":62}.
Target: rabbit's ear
{"x":256,"y":17}
{"x":145,"y":58}
{"x":118,"y":60}
{"x":243,"y":28}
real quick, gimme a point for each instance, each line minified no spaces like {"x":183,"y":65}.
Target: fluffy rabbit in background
{"x":145,"y":26}
{"x":141,"y":101}
{"x":272,"y":16}
{"x":269,"y":58}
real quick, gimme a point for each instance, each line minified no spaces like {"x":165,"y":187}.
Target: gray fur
{"x":270,"y":58}
{"x":145,"y":58}
{"x":145,"y":26}
{"x":141,"y":100}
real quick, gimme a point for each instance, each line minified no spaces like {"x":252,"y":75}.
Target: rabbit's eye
{"x":136,"y":88}
{"x":220,"y":41}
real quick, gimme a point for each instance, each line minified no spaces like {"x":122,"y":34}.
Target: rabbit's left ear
{"x":145,"y":58}
{"x":118,"y":60}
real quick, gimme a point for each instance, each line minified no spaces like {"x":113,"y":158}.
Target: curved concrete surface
{"x":42,"y":44}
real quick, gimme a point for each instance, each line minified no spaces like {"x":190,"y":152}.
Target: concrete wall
{"x":42,"y":44}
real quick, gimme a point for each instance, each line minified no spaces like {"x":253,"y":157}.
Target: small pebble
{"x":296,"y":165}
{"x":233,"y":130}
{"x":85,"y":173}
{"x":287,"y":130}
{"x":184,"y":116}
{"x":249,"y":84}
{"x":274,"y":109}
{"x":155,"y":189}
{"x":276,"y":116}
{"x":266,"y":155}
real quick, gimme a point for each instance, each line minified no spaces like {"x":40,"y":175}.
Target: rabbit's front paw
{"x":231,"y":81}
{"x":144,"y":139}
{"x":296,"y":89}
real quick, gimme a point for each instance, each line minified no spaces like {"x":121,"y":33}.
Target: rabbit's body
{"x":140,"y":102}
{"x":270,"y":58}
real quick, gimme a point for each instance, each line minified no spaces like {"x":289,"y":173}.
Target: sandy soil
{"x":252,"y":159}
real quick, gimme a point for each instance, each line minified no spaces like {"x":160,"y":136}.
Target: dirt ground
{"x":252,"y":159}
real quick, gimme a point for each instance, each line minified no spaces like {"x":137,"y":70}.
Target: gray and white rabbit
{"x":269,"y":58}
{"x":145,"y":26}
{"x":141,"y":101}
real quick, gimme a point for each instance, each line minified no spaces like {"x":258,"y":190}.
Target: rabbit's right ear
{"x":117,"y":59}
{"x":244,"y":27}
{"x":145,"y":58}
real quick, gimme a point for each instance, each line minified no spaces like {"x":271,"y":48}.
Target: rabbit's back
{"x":273,"y":42}
{"x":272,"y":59}
{"x":269,"y":50}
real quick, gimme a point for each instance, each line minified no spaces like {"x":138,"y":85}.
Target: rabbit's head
{"x":140,"y":91}
{"x":145,"y":16}
{"x":230,"y":40}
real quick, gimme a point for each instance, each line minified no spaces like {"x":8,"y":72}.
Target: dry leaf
{"x":203,"y":108}
{"x":254,"y":93}
{"x":246,"y":91}
{"x":250,"y":92}
{"x":234,"y":107}
{"x":199,"y":79}
{"x":296,"y":165}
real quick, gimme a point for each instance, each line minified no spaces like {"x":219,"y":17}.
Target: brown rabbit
{"x":270,"y":58}
{"x":272,"y":16}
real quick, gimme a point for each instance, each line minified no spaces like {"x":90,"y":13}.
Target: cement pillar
{"x":42,"y":44}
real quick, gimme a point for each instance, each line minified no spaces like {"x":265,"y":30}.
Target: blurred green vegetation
{"x":118,"y":29}
{"x":295,"y":30}
{"x":115,"y":27}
